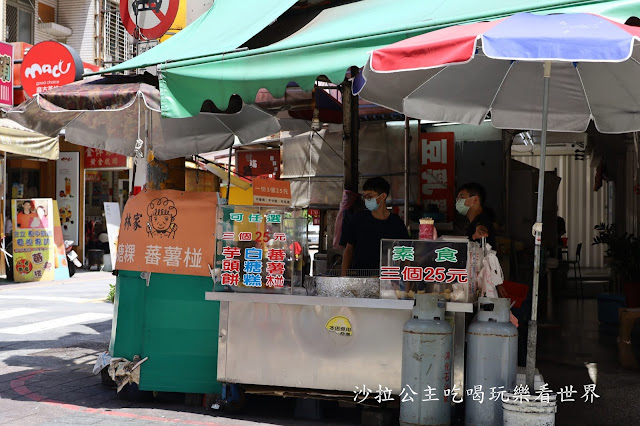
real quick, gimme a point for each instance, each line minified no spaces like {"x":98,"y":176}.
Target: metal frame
{"x":283,"y":335}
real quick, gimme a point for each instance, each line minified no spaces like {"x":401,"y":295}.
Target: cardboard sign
{"x":271,"y":192}
{"x":101,"y":159}
{"x":34,"y":255}
{"x":6,"y":74}
{"x":67,"y":182}
{"x":437,"y":172}
{"x":169,"y":232}
{"x":50,"y":64}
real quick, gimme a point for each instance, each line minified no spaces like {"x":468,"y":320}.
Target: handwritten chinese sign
{"x":437,"y":171}
{"x":99,"y":159}
{"x":170,"y":232}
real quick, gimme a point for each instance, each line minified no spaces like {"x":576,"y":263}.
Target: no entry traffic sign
{"x":153,"y":17}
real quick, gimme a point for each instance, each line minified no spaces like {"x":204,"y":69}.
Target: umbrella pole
{"x":537,"y":232}
{"x":229,"y":173}
{"x":407,"y":141}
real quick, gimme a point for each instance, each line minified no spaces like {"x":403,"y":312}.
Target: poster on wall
{"x":437,"y":173}
{"x":60,"y":259}
{"x":67,"y":184}
{"x":34,"y":254}
{"x":112,"y":216}
{"x":169,"y":232}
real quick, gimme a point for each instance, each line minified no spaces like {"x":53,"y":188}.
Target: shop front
{"x":107,"y":179}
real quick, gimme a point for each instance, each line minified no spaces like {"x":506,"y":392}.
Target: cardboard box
{"x":627,"y":319}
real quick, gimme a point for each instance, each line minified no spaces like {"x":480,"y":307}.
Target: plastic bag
{"x":490,"y":275}
{"x":348,"y":199}
{"x":103,"y":360}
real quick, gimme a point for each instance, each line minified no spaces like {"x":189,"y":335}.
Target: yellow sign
{"x":339,"y":325}
{"x":34,"y":254}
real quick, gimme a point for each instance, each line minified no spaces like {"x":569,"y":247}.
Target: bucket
{"x":529,"y":411}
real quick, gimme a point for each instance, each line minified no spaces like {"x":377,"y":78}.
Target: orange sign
{"x":271,"y":192}
{"x":169,"y":232}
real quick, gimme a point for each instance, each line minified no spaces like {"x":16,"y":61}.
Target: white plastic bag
{"x":490,"y":275}
{"x":103,"y":360}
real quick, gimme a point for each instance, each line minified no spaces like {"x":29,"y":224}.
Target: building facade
{"x":94,"y":30}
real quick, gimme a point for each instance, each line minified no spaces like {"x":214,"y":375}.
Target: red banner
{"x":100,"y":159}
{"x":437,"y":172}
{"x":6,"y":74}
{"x":259,"y":163}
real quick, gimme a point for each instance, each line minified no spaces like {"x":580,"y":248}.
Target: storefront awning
{"x":17,"y":139}
{"x":227,"y":25}
{"x":336,"y":39}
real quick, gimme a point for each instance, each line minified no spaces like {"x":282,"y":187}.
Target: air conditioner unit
{"x":55,"y":30}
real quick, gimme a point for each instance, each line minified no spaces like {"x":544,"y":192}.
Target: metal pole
{"x":407,"y":142}
{"x":350,"y":129}
{"x":537,"y":232}
{"x":229,"y":173}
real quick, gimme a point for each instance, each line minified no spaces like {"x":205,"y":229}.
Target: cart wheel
{"x":234,"y":398}
{"x":106,"y":379}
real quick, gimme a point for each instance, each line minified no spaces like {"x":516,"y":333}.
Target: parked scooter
{"x":72,"y":257}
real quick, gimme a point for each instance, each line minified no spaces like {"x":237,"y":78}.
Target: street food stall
{"x":278,"y":328}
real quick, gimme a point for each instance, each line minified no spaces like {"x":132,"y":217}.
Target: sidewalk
{"x":563,"y":352}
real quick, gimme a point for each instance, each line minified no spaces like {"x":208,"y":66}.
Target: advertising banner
{"x":271,"y":192}
{"x":6,"y":74}
{"x":437,"y":172}
{"x":170,"y":232}
{"x":34,"y":254}
{"x":100,"y":159}
{"x":67,"y":190}
{"x":263,"y":162}
{"x":112,"y":216}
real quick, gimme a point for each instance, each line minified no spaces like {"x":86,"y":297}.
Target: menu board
{"x":408,"y":267}
{"x":259,"y":249}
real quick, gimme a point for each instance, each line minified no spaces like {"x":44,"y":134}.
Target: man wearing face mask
{"x":470,"y":203}
{"x":369,"y":227}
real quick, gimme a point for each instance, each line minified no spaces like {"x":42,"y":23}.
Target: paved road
{"x":50,"y":337}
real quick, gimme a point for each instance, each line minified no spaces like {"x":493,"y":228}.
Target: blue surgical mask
{"x":371,"y":204}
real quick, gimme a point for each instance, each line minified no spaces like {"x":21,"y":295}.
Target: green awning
{"x":338,"y":38}
{"x":227,"y":25}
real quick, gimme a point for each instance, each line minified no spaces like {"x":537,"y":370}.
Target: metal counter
{"x":283,"y":340}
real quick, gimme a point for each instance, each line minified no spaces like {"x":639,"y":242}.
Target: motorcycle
{"x":72,"y":257}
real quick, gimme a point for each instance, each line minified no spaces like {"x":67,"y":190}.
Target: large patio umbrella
{"x":529,"y":72}
{"x":115,"y":113}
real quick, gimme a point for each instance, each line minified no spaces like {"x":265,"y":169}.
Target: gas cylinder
{"x":492,"y":362}
{"x":427,"y":347}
